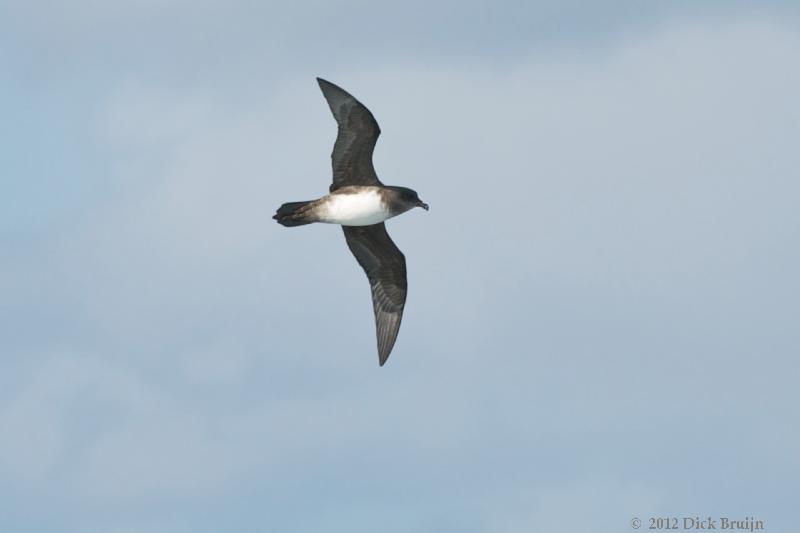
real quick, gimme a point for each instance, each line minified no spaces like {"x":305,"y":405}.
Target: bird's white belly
{"x":359,"y":209}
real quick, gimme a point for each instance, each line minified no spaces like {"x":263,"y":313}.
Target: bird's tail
{"x":295,"y":214}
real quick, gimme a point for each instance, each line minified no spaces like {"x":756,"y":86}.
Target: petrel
{"x":360,"y":203}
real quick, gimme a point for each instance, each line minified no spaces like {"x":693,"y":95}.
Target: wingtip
{"x":384,"y":351}
{"x":330,"y":88}
{"x":326,"y":87}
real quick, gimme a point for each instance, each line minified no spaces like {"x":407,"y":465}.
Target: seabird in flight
{"x":360,"y":203}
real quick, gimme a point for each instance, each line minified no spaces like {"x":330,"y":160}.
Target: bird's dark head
{"x":410,"y":198}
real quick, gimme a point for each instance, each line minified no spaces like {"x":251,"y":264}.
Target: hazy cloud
{"x":601,"y":317}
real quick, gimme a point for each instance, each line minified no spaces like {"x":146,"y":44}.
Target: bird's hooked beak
{"x":423,"y":205}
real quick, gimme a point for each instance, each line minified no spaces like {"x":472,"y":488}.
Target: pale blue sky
{"x":603,"y":302}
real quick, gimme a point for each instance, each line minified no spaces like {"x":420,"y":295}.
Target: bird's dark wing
{"x":385,"y":266}
{"x":358,"y":133}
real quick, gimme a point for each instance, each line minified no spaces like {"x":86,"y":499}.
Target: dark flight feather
{"x":385,"y":266}
{"x":355,"y":142}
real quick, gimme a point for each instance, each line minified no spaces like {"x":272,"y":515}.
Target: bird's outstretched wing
{"x":385,"y":266}
{"x":358,"y":133}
